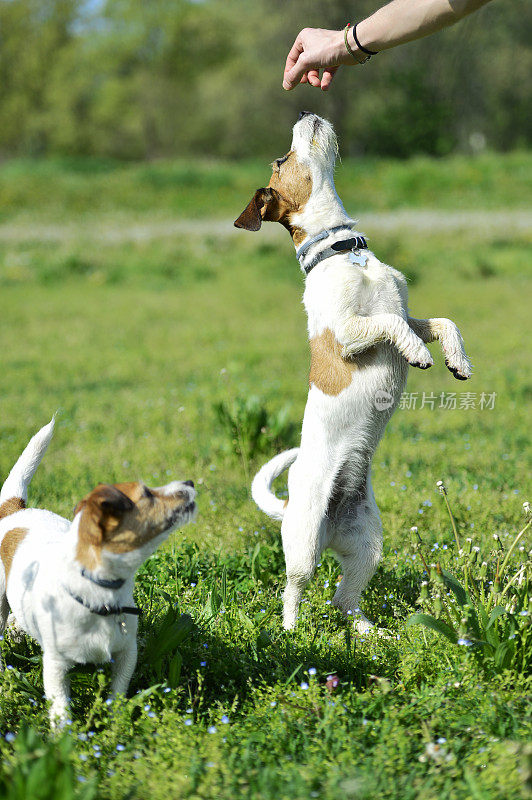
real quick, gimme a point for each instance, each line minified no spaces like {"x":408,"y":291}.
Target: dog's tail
{"x":261,"y":488}
{"x":18,"y":480}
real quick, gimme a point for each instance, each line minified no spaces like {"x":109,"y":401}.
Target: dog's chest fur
{"x":335,"y":291}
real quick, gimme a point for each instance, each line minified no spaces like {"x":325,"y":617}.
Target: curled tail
{"x":261,"y":488}
{"x":18,"y":480}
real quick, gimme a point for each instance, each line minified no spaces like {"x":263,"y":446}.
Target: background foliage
{"x":130,"y":79}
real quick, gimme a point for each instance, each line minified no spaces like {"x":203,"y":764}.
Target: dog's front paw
{"x":352,"y":349}
{"x":419,"y":356}
{"x":460,"y":367}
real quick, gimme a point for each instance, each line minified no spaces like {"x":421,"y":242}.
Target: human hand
{"x":315,"y":49}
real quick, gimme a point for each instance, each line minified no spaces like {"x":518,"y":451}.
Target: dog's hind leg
{"x":303,"y":529}
{"x":450,"y":339}
{"x":357,"y":541}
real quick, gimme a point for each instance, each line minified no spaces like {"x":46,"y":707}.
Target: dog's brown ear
{"x":266,"y":204}
{"x":102,"y":510}
{"x":112,"y":501}
{"x":107,"y":498}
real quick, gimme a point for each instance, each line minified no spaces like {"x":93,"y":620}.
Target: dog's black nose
{"x":189,"y":483}
{"x":303,"y":114}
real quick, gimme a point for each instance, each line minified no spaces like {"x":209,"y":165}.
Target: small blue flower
{"x":304,"y":685}
{"x":188,"y":721}
{"x":120,"y":747}
{"x":167,"y":690}
{"x":441,"y":740}
{"x":273,"y":703}
{"x":109,"y":701}
{"x":147,"y":707}
{"x":81,"y":778}
{"x":152,"y":715}
{"x":203,"y":663}
{"x":211,"y":729}
{"x":10,"y":737}
{"x":312,"y":671}
{"x":466,"y":642}
{"x":225,"y":719}
{"x":83,"y":757}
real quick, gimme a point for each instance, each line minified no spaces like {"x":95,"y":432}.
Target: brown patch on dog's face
{"x":122,"y":517}
{"x":287,"y":194}
{"x":292,"y":180}
{"x":329,"y":372}
{"x":11,"y":506}
{"x":8,"y":547}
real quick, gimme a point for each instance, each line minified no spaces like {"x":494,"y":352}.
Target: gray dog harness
{"x":353,"y":245}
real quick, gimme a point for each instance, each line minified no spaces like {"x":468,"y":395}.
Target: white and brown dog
{"x":70,"y":584}
{"x":362,"y":341}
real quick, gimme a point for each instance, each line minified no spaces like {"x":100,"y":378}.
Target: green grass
{"x":200,"y":189}
{"x":138,"y":343}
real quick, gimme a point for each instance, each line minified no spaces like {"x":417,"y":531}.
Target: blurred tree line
{"x":157,"y":78}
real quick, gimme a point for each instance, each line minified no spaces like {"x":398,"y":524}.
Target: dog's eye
{"x":279,"y":161}
{"x":147,"y":493}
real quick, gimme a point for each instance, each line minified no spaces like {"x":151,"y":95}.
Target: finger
{"x":304,"y":78}
{"x":314,"y":77}
{"x":293,"y":55}
{"x":327,"y":77}
{"x":293,"y":69}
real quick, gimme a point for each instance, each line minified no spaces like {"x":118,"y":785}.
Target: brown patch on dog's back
{"x":8,"y":547}
{"x":329,"y":372}
{"x":11,"y":506}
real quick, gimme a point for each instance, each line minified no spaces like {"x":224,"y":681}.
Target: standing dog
{"x":70,"y":584}
{"x":362,"y":341}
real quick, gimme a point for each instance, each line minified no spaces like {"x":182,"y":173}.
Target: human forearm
{"x":404,"y":20}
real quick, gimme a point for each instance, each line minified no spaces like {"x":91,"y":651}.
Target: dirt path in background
{"x":492,"y":223}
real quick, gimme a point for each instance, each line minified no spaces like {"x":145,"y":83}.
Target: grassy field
{"x":185,"y":356}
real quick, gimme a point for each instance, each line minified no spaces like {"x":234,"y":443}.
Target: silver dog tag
{"x":356,"y":257}
{"x":122,"y":626}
